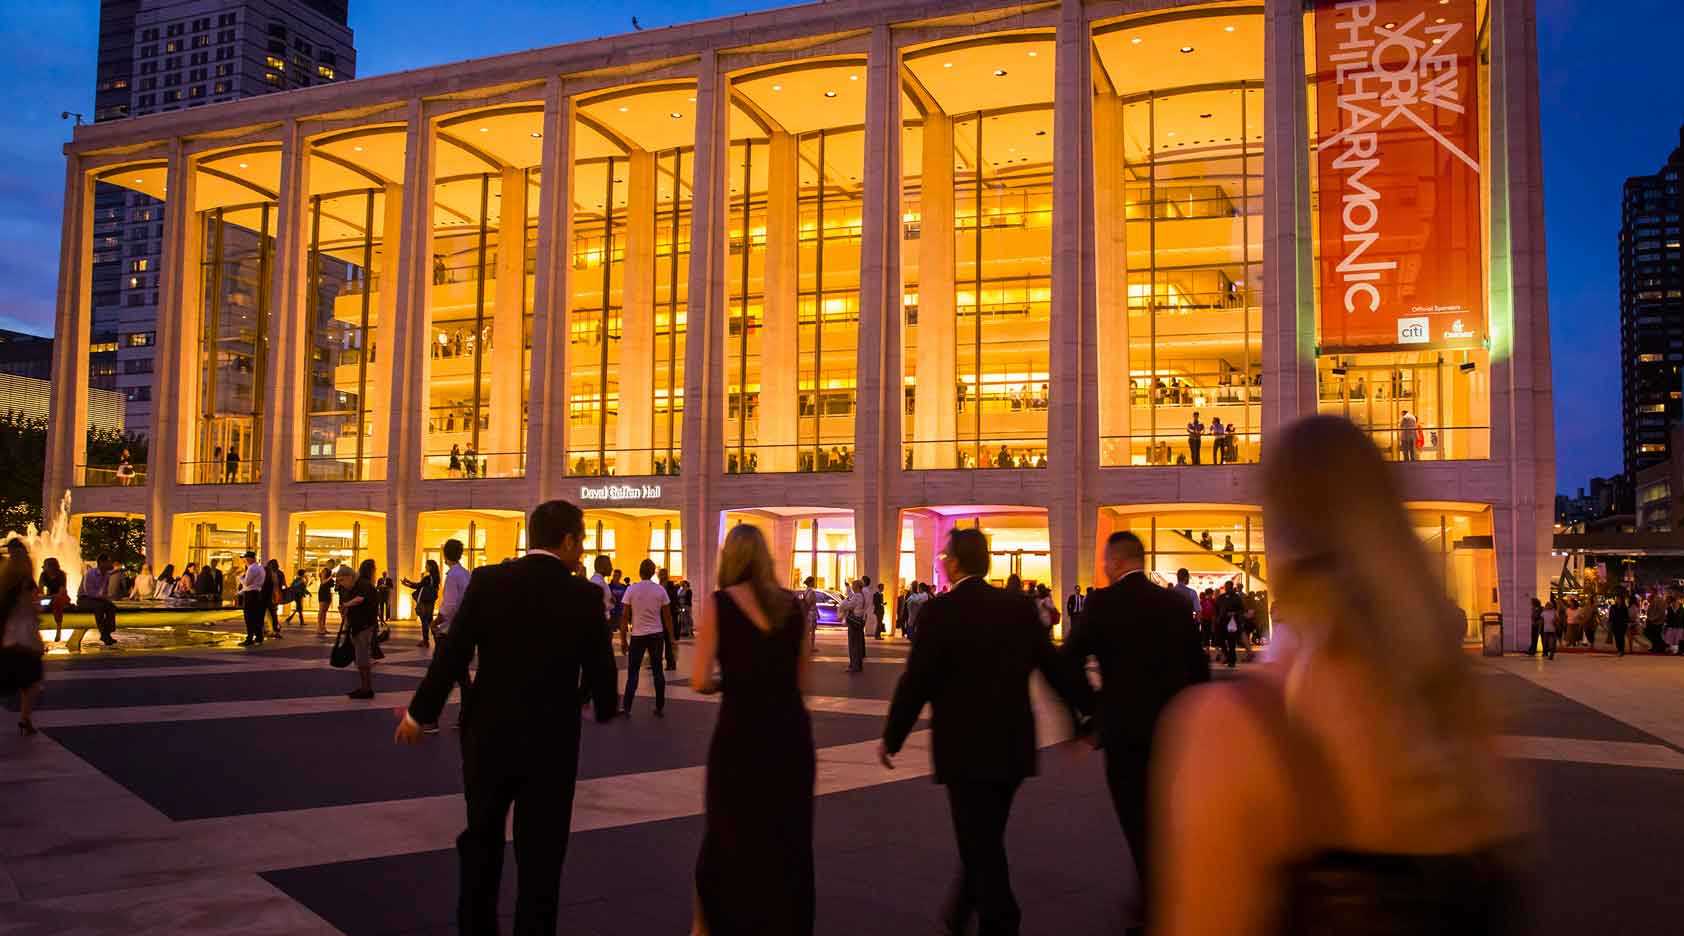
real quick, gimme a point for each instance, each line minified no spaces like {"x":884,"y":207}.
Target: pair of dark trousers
{"x":1537,"y":635}
{"x":671,"y":647}
{"x":540,"y":789}
{"x":1193,"y":444}
{"x":104,"y":612}
{"x":1128,"y":776}
{"x":1231,"y":647}
{"x":856,"y":644}
{"x":651,"y":644}
{"x":1619,"y":634}
{"x":983,"y":887}
{"x":252,"y":606}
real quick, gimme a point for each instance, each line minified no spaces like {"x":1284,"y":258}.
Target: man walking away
{"x":1148,"y":650}
{"x":1230,"y":623}
{"x":253,"y":601}
{"x":650,"y":614}
{"x":971,"y":661}
{"x":1619,"y":620}
{"x":535,"y":624}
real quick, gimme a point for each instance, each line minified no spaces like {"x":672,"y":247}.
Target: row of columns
{"x":1086,"y":209}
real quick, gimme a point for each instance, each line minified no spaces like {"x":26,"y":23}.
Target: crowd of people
{"x":1642,"y":620}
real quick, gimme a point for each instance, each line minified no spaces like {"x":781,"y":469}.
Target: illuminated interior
{"x":479,"y":311}
{"x":355,"y":199}
{"x":1215,"y":544}
{"x":633,"y":184}
{"x":1443,"y":384}
{"x":977,"y":157}
{"x":333,"y":538}
{"x":795,"y":176}
{"x":221,"y":536}
{"x":1018,"y":542}
{"x":1178,"y":146}
{"x":486,"y":535}
{"x":629,"y":535}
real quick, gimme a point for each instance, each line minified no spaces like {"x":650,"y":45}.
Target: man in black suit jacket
{"x":1148,"y":650}
{"x":537,"y":625}
{"x":971,"y":661}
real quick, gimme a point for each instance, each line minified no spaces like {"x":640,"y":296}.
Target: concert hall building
{"x":855,"y":272}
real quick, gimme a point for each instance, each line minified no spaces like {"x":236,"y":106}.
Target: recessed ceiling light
{"x":1391,"y":25}
{"x":536,"y":135}
{"x":777,"y":87}
{"x":485,"y":129}
{"x":1033,"y":53}
{"x":242,"y":165}
{"x":1137,"y":40}
{"x":1186,"y":50}
{"x":853,"y":77}
{"x":356,"y":149}
{"x":624,"y":108}
{"x":1227,"y":29}
{"x":946,"y":64}
{"x":1439,"y":20}
{"x":830,"y":94}
{"x":139,"y":179}
{"x":1171,"y":133}
{"x":1437,"y":41}
{"x":999,"y":73}
{"x":675,"y":115}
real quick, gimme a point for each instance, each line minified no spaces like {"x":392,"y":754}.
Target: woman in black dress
{"x":755,"y":871}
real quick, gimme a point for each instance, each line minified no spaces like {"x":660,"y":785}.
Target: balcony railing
{"x":471,"y":465}
{"x":119,"y":475}
{"x":1174,"y":446}
{"x":221,"y":472}
{"x":986,"y":452}
{"x":623,"y":462}
{"x":341,"y":468}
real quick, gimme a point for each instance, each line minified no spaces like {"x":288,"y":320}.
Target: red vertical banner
{"x":1398,"y":174}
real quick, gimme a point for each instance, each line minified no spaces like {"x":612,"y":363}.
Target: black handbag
{"x":343,"y":654}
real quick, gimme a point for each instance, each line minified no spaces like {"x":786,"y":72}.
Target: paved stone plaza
{"x":209,"y":789}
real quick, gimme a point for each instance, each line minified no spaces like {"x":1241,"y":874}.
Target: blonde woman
{"x":1390,"y":809}
{"x":755,"y":870}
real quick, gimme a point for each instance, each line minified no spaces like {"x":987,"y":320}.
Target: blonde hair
{"x":1344,"y":554}
{"x":744,"y":558}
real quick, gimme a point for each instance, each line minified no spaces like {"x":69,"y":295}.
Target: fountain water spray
{"x":56,"y":542}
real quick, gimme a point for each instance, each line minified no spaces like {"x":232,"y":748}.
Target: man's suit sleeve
{"x":1066,"y":674}
{"x":450,"y":661}
{"x":917,"y":682}
{"x":1079,"y":642}
{"x":596,"y":663}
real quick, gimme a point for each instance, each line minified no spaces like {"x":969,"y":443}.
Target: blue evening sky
{"x":1612,"y":91}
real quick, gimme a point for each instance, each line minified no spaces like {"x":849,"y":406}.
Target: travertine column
{"x":547,"y":423}
{"x":635,"y":424}
{"x":413,"y":283}
{"x":282,"y":397}
{"x":1289,"y":323}
{"x":935,"y":404}
{"x":1072,"y":292}
{"x":783,"y":550}
{"x":385,"y":314}
{"x":925,"y":545}
{"x":704,"y":351}
{"x":508,"y":375}
{"x":174,"y":392}
{"x":1108,"y":360}
{"x":68,"y":431}
{"x":779,"y":342}
{"x":877,"y":416}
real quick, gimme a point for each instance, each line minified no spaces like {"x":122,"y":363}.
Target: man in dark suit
{"x":976,"y":648}
{"x":1148,"y":650}
{"x":537,"y":625}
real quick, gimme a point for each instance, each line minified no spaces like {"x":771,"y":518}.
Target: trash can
{"x":1491,"y":633}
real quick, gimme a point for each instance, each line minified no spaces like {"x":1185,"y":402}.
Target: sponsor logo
{"x":1457,"y":332}
{"x":1414,"y":331}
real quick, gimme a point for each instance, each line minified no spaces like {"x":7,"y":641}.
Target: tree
{"x":23,"y":456}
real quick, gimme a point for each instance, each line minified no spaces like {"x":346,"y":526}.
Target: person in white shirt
{"x":455,"y":584}
{"x":647,"y":609}
{"x":253,"y":602}
{"x":853,"y":609}
{"x":604,"y":567}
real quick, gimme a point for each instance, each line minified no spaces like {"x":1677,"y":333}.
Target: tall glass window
{"x":1179,"y":135}
{"x":630,"y":257}
{"x":977,"y":254}
{"x":236,"y":266}
{"x":342,"y":315}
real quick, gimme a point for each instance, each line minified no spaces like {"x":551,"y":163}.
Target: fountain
{"x":56,"y":542}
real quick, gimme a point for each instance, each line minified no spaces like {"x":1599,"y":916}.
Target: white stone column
{"x":282,"y":397}
{"x":1072,"y":291}
{"x":634,"y":427}
{"x":385,"y":314}
{"x":546,"y":437}
{"x":1105,"y":353}
{"x":506,"y":361}
{"x":935,"y":402}
{"x":175,"y":393}
{"x":412,"y":283}
{"x":779,"y":421}
{"x":1289,"y":314}
{"x":877,"y":461}
{"x":783,"y":549}
{"x":67,"y":436}
{"x":704,"y":350}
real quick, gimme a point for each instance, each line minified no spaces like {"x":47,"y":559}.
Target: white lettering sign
{"x":620,"y":492}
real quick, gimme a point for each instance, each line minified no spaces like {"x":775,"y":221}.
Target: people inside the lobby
{"x":1399,"y":819}
{"x":455,"y":467}
{"x":1218,"y":440}
{"x":1205,"y":540}
{"x":91,"y":597}
{"x":232,"y":461}
{"x":125,"y":469}
{"x":21,"y":646}
{"x":1409,"y":436}
{"x":54,"y":591}
{"x":1195,"y":436}
{"x":184,"y":585}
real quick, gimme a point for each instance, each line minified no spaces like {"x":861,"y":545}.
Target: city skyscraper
{"x":165,"y":55}
{"x":1651,"y":312}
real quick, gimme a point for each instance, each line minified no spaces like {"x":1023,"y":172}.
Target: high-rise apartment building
{"x":1651,"y":312}
{"x":165,"y":55}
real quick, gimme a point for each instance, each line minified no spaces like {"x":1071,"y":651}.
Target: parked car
{"x":830,"y":609}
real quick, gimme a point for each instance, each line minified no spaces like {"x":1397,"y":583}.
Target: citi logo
{"x":1413,"y":331}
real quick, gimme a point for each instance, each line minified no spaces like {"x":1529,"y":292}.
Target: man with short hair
{"x":649,"y":613}
{"x":971,"y":661}
{"x":1182,"y":577}
{"x":852,"y":610}
{"x":1148,"y":650}
{"x":253,"y":601}
{"x":91,"y":596}
{"x":536,"y":624}
{"x":455,"y":584}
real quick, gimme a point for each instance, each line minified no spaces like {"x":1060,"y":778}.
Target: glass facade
{"x":343,"y":376}
{"x":236,"y":268}
{"x":1216,"y":546}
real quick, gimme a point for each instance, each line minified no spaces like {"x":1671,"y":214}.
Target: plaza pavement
{"x":207,"y":789}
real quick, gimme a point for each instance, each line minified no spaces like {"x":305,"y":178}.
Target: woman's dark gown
{"x":755,"y":871}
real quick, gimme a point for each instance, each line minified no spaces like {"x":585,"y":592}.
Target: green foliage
{"x":23,"y":455}
{"x":123,"y":539}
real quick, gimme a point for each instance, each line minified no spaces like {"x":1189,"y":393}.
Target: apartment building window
{"x":150,"y":51}
{"x":224,"y":53}
{"x":276,"y":30}
{"x":277,"y":46}
{"x":301,"y":46}
{"x":172,"y":80}
{"x":197,"y":91}
{"x":221,"y":87}
{"x":148,"y":84}
{"x":226,"y":35}
{"x":200,"y":42}
{"x":147,"y":100}
{"x":271,"y":78}
{"x":327,"y":57}
{"x":137,"y":394}
{"x":226,"y":19}
{"x":148,"y":35}
{"x":140,"y":366}
{"x":141,"y":339}
{"x":276,"y":62}
{"x":172,"y":46}
{"x":325,"y":71}
{"x":148,"y":68}
{"x":140,"y":265}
